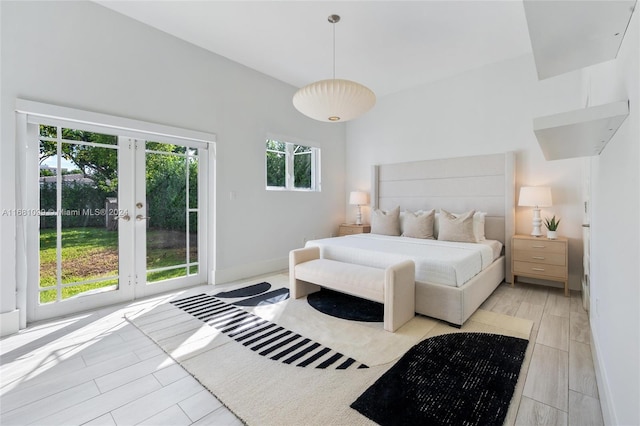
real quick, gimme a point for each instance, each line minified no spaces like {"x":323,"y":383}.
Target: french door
{"x":168,"y":197}
{"x":118,"y":217}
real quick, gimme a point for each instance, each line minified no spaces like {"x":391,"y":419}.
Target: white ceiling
{"x":386,"y":45}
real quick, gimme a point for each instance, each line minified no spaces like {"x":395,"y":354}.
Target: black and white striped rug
{"x":264,"y":337}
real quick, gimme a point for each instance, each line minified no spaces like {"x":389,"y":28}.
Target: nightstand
{"x":350,"y":229}
{"x":539,"y":257}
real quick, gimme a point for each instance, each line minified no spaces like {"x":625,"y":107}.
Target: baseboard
{"x":9,"y":323}
{"x":221,"y":276}
{"x":604,"y":392}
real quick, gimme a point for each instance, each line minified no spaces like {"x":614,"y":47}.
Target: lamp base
{"x":537,"y":223}
{"x":359,"y":216}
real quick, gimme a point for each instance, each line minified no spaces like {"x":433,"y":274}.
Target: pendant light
{"x":336,"y":99}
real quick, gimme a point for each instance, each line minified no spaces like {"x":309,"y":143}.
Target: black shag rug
{"x":247,"y":291}
{"x":268,"y":298}
{"x":453,"y":379}
{"x":345,"y":306}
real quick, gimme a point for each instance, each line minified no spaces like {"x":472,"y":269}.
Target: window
{"x":292,"y":167}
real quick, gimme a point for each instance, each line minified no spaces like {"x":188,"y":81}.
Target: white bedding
{"x":437,"y":262}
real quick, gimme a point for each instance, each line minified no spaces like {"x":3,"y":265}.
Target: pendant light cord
{"x":334,"y":50}
{"x":334,"y":19}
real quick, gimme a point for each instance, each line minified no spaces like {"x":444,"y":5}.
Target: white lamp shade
{"x":358,"y":198}
{"x":535,"y":196}
{"x":334,"y":100}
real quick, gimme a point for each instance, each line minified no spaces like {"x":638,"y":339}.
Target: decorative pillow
{"x":418,"y":224}
{"x":478,"y":225}
{"x":456,"y":227}
{"x":386,"y":223}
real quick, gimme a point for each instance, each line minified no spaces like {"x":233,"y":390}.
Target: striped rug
{"x":264,"y":337}
{"x":211,"y":339}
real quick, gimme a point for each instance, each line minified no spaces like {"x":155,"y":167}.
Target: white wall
{"x":483,"y":111}
{"x":489,"y":110}
{"x":84,"y":56}
{"x":615,"y":230}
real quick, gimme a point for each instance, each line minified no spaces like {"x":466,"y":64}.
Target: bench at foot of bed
{"x":393,"y":286}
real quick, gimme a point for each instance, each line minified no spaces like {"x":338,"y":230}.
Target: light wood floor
{"x":560,"y":386}
{"x":97,"y":369}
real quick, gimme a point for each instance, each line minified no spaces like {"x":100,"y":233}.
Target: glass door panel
{"x":171,"y":176}
{"x":192,"y":259}
{"x":79,"y":236}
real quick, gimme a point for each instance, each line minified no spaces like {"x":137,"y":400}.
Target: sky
{"x":52,"y":162}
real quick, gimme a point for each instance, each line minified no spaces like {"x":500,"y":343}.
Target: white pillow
{"x":386,"y":223}
{"x":418,"y":224}
{"x":456,"y":227}
{"x":478,"y":225}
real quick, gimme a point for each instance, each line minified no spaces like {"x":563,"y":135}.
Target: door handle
{"x":140,"y":217}
{"x":126,"y":217}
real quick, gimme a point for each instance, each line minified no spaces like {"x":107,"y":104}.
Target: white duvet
{"x":437,"y":262}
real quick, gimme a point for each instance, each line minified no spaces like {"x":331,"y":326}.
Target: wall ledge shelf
{"x":580,"y":133}
{"x":569,"y":35}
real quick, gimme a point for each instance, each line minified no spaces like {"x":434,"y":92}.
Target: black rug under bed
{"x":345,"y":306}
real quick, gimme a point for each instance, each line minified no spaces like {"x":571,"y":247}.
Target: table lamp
{"x":536,"y":197}
{"x":358,"y":198}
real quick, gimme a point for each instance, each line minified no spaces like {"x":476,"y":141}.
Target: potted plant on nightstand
{"x":552,"y":227}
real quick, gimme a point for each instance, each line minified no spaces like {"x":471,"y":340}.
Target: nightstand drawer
{"x":543,"y":244}
{"x":528,"y":268}
{"x":542,"y":257}
{"x":349,"y":229}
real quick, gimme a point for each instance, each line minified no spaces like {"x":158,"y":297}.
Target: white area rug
{"x":261,"y":391}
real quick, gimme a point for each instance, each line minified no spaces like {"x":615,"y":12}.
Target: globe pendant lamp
{"x":335,"y":99}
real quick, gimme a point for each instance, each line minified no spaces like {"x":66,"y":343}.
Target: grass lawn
{"x":92,"y":253}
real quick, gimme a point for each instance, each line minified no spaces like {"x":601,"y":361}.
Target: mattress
{"x":437,"y":262}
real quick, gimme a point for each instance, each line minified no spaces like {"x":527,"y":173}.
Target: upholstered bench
{"x":393,"y":286}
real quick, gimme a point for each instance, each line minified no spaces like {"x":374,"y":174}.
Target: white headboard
{"x":482,"y":183}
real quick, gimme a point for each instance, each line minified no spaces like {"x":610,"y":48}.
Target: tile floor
{"x":97,"y":369}
{"x":560,"y":386}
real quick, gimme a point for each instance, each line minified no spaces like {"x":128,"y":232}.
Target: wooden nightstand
{"x":539,"y":257}
{"x":350,"y":229}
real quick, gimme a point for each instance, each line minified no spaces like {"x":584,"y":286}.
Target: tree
{"x":166,"y":176}
{"x":97,"y":163}
{"x":302,"y":167}
{"x":277,"y":153}
{"x":276,"y":163}
{"x":166,"y":173}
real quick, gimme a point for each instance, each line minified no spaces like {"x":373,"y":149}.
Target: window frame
{"x":289,"y":152}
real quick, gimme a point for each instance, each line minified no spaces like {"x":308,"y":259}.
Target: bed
{"x":447,"y":288}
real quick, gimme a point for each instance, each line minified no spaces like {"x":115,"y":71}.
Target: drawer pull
{"x":537,"y":246}
{"x":537,"y":257}
{"x":537,"y":269}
